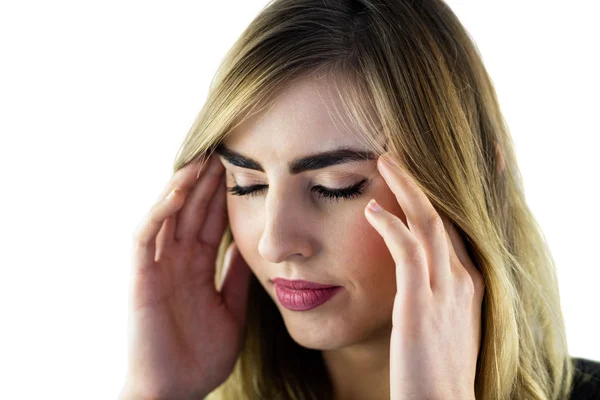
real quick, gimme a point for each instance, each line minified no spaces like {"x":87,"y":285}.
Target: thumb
{"x":235,"y":282}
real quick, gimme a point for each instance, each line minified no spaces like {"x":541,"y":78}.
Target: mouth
{"x":299,"y":284}
{"x":304,"y":299}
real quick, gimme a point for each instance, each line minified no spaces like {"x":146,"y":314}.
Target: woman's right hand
{"x":185,"y":335}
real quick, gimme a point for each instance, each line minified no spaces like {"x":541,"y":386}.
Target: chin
{"x":316,"y":340}
{"x":324,"y":333}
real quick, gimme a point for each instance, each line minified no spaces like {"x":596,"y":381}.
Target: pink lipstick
{"x":303,"y":295}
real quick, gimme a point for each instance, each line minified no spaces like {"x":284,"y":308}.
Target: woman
{"x":446,"y":290}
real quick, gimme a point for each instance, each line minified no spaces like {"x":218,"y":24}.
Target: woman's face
{"x":288,"y":230}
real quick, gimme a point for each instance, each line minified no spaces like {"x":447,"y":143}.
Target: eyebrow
{"x":340,"y":155}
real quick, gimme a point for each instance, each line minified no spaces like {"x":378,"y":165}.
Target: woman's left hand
{"x":436,"y":318}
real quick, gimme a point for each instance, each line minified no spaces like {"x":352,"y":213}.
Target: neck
{"x":361,"y":371}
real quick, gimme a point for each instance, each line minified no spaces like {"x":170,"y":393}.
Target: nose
{"x":286,"y":233}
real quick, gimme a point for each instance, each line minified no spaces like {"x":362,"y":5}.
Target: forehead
{"x":301,"y":121}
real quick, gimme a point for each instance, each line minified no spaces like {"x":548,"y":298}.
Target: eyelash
{"x":349,"y":192}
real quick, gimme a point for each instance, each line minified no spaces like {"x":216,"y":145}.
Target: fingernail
{"x":374,"y":206}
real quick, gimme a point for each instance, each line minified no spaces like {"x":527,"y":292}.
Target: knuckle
{"x":391,"y":225}
{"x":411,"y":251}
{"x":203,"y":204}
{"x":412,"y":184}
{"x":415,"y":252}
{"x":435,"y":222}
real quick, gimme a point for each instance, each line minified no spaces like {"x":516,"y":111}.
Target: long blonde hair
{"x":409,"y":72}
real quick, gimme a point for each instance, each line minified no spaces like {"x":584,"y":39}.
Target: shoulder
{"x":586,"y":379}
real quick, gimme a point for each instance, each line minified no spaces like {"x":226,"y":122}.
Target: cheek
{"x":363,"y":256}
{"x":362,"y":252}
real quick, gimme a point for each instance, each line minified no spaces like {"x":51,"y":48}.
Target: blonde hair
{"x":409,"y":72}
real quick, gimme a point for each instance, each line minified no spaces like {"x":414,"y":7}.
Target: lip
{"x":300,"y":284}
{"x":304,"y":299}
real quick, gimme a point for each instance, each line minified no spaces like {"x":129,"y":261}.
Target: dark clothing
{"x":586,"y":380}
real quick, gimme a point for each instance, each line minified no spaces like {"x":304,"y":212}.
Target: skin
{"x":289,"y":231}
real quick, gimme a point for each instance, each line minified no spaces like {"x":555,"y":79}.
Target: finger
{"x":211,"y":232}
{"x":461,"y":259}
{"x":145,"y":236}
{"x":169,"y":201}
{"x":236,"y":284}
{"x":451,"y":239}
{"x":164,"y":239}
{"x":408,"y":254}
{"x":422,"y":218}
{"x":191,"y":217}
{"x":185,"y":177}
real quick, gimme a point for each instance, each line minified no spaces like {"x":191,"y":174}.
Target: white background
{"x":96,"y":97}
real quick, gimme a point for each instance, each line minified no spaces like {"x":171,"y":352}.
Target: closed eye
{"x":349,"y":192}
